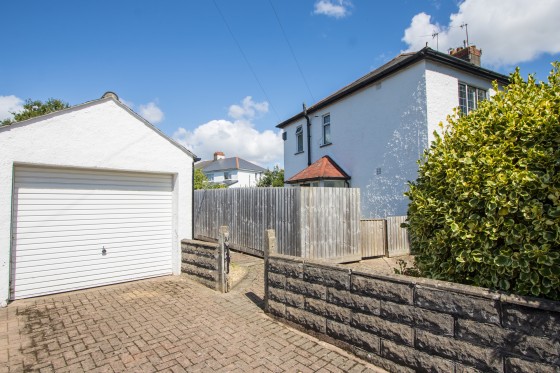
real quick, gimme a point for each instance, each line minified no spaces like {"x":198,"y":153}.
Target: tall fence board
{"x":373,"y":237}
{"x":315,"y":223}
{"x":397,"y":237}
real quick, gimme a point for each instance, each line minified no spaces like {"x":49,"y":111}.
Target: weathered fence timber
{"x":373,"y":237}
{"x":384,"y":237}
{"x":314,"y":223}
{"x":397,"y":237}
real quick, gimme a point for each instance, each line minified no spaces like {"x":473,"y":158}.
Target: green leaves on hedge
{"x":485,"y":209}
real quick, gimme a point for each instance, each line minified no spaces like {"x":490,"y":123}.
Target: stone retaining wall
{"x":405,"y":324}
{"x":201,"y":260}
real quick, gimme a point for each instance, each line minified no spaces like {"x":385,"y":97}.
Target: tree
{"x":202,"y":182}
{"x":36,"y":108}
{"x":274,"y":178}
{"x":485,"y":209}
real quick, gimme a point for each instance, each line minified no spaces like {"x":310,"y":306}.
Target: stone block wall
{"x":200,"y":260}
{"x":405,"y":324}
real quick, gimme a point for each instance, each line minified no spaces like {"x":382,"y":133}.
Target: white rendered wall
{"x":100,"y":135}
{"x":388,"y":126}
{"x":382,"y":126}
{"x":244,"y":179}
{"x":442,"y":87}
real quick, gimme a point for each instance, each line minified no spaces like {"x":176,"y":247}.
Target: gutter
{"x":308,"y":135}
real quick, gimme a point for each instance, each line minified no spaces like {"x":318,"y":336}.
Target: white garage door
{"x":75,"y":229}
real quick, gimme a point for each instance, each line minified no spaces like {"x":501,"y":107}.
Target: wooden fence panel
{"x":318,"y":223}
{"x":373,"y":237}
{"x":397,"y":237}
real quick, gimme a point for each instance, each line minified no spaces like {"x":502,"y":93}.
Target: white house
{"x":90,"y":195}
{"x":234,"y":172}
{"x":375,"y":129}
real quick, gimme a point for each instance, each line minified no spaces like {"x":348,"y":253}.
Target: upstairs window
{"x":469,"y":97}
{"x":299,"y":139}
{"x":326,"y":129}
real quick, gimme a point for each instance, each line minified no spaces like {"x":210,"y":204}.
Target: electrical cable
{"x":291,"y":51}
{"x":246,"y":60}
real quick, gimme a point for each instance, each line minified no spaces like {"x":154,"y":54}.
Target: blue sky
{"x":220,"y":74}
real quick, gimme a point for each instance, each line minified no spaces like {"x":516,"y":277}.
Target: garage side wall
{"x":98,"y":135}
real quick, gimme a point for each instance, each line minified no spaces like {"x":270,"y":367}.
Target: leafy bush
{"x":485,"y":209}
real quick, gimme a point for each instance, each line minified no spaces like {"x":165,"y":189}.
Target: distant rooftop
{"x":224,"y":164}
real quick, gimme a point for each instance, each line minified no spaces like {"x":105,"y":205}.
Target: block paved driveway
{"x":169,"y":324}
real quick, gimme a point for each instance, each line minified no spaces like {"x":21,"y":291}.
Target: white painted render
{"x":443,"y":94}
{"x":245,"y":178}
{"x":103,"y":135}
{"x":384,"y":127}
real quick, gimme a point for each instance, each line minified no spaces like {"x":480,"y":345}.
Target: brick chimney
{"x":219,"y":155}
{"x":470,"y":54}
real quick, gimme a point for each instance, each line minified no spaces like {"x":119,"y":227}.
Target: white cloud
{"x":151,"y":112}
{"x":8,"y":105}
{"x":249,"y":109}
{"x":333,"y":8}
{"x":507,"y":32}
{"x":236,"y":138}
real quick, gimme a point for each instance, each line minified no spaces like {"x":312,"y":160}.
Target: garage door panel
{"x":26,"y":265}
{"x":80,"y":284}
{"x":64,"y":218}
{"x":94,"y":267}
{"x":65,"y":247}
{"x":101,"y":236}
{"x":80,"y":253}
{"x":91,"y":277}
{"x":87,"y":225}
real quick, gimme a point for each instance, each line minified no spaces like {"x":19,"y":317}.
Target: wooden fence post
{"x":269,"y":249}
{"x":223,"y":259}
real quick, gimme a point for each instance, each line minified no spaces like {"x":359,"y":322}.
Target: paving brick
{"x":167,"y":324}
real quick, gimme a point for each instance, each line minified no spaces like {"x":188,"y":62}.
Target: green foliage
{"x":202,"y":182}
{"x":32,"y":109}
{"x":485,"y":209}
{"x":274,"y":178}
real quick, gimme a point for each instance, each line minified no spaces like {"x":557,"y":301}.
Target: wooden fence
{"x":384,"y":237}
{"x":315,"y":223}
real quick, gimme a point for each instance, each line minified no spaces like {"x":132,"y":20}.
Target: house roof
{"x":108,"y":96}
{"x":232,"y":163}
{"x":323,"y":169}
{"x":400,"y":62}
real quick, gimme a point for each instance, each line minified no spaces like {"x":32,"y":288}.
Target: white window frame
{"x":470,"y":96}
{"x":299,"y":139}
{"x":327,"y":140}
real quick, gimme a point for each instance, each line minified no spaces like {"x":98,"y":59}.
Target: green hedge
{"x":485,"y":209}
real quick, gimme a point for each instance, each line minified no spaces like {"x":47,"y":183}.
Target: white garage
{"x":98,"y":196}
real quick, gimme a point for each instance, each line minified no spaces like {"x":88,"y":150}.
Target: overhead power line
{"x":246,"y":60}
{"x":292,"y":51}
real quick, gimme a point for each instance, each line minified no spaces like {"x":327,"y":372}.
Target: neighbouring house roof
{"x":400,"y":62}
{"x":233,"y":163}
{"x":108,"y":96}
{"x":323,"y":169}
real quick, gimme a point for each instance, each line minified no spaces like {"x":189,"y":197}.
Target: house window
{"x":469,"y":97}
{"x":227,"y":175}
{"x":210,"y":177}
{"x":299,"y":139}
{"x":326,"y":129}
{"x":378,"y":171}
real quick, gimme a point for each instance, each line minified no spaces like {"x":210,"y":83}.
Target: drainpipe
{"x":192,"y":198}
{"x":308,"y":134}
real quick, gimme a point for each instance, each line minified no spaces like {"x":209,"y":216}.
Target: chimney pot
{"x":219,"y":155}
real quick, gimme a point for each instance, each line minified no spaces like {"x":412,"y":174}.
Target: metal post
{"x":269,"y":249}
{"x":223,"y":259}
